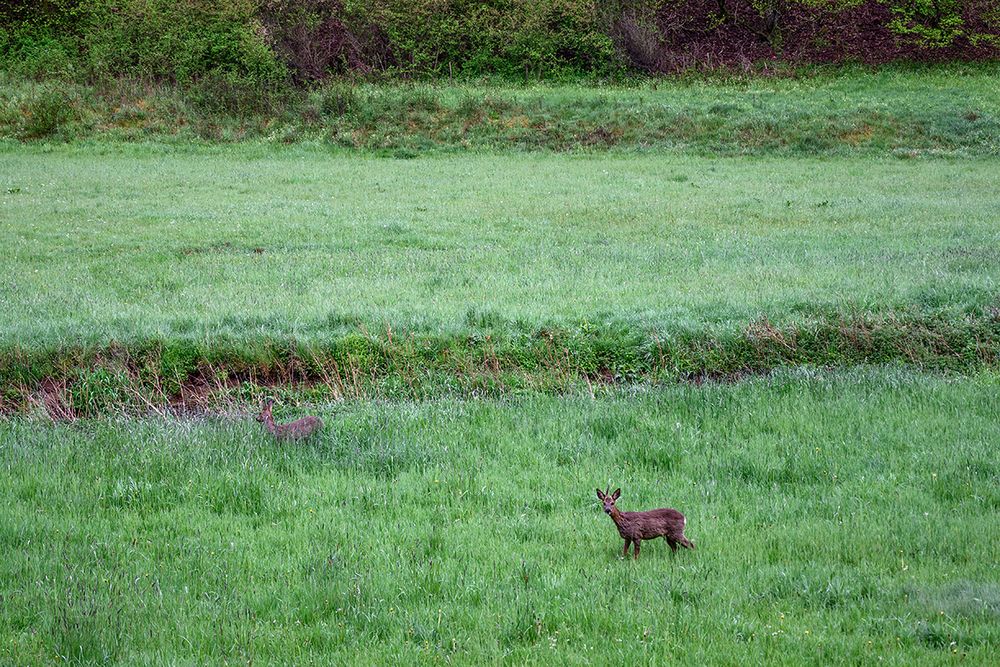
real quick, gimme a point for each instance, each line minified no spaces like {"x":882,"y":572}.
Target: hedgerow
{"x":268,"y":43}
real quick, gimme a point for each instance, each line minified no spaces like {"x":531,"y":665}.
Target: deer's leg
{"x":635,"y":552}
{"x":672,"y":543}
{"x":625,"y":550}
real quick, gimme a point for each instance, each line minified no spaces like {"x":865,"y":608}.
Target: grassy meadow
{"x":845,"y":518}
{"x":771,"y":303}
{"x":247,"y":242}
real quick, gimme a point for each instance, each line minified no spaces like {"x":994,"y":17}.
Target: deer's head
{"x":265,"y":411}
{"x":608,"y":499}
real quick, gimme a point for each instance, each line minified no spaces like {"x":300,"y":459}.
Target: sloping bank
{"x":154,"y":375}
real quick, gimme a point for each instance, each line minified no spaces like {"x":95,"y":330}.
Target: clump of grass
{"x":97,"y":391}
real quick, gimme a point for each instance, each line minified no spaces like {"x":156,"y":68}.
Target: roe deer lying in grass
{"x":634,"y":527}
{"x":296,"y":430}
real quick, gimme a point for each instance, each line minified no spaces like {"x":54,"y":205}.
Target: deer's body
{"x":634,"y":527}
{"x":296,"y":430}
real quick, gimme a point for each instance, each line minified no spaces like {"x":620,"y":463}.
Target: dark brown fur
{"x":634,"y":527}
{"x":296,"y":430}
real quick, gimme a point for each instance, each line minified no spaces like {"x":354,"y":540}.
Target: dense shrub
{"x":668,"y":35}
{"x":943,"y":23}
{"x":264,"y":43}
{"x":157,"y":39}
{"x":321,"y":37}
{"x":511,"y":37}
{"x":40,"y":110}
{"x":37,"y":54}
{"x":180,"y":41}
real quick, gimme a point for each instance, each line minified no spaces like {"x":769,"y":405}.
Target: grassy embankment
{"x":945,"y":110}
{"x":845,"y":518}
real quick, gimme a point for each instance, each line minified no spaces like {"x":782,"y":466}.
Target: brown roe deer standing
{"x":296,"y":430}
{"x":634,"y":527}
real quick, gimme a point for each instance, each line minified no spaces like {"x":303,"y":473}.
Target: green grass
{"x":247,"y":243}
{"x":944,"y":110}
{"x":844,"y":516}
{"x":132,"y":273}
{"x":839,"y":519}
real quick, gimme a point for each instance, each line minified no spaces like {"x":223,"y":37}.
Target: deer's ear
{"x":600,"y":494}
{"x":616,"y":494}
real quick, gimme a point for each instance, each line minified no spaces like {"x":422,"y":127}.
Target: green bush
{"x":36,"y":54}
{"x":155,"y":39}
{"x":178,"y":361}
{"x":932,"y":23}
{"x":182,"y":42}
{"x":44,"y":112}
{"x":513,"y":39}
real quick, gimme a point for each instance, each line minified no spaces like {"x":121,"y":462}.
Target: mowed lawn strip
{"x":837,"y":518}
{"x":124,"y":245}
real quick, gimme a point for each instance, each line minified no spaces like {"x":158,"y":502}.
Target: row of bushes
{"x":273,"y":41}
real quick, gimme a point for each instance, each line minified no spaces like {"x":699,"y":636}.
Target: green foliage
{"x":512,"y":39}
{"x":45,"y":110}
{"x":99,"y":391}
{"x":552,"y":360}
{"x":144,"y":39}
{"x":268,"y":42}
{"x":930,"y":23}
{"x":178,"y":361}
{"x":45,"y":114}
{"x":184,"y":42}
{"x":180,"y":42}
{"x":35,"y":53}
